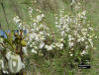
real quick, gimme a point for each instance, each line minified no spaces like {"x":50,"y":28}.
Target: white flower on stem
{"x":32,"y":36}
{"x":19,"y":25}
{"x":69,"y":36}
{"x":31,"y":45}
{"x":5,"y":72}
{"x":71,"y":55}
{"x":30,"y":10}
{"x":16,"y":19}
{"x":82,"y":39}
{"x":61,"y":46}
{"x":61,"y":39}
{"x":71,"y":44}
{"x":34,"y":24}
{"x":91,"y":28}
{"x":73,"y":2}
{"x":83,"y":52}
{"x":25,"y":50}
{"x":38,"y":10}
{"x":84,"y":12}
{"x":34,"y":51}
{"x":71,"y":39}
{"x":58,"y":26}
{"x":56,"y":23}
{"x":96,"y":37}
{"x":87,"y":46}
{"x":62,"y":20}
{"x":62,"y":33}
{"x":37,"y":38}
{"x":42,"y":38}
{"x":48,"y":47}
{"x":41,"y":45}
{"x":41,"y":32}
{"x":40,"y":17}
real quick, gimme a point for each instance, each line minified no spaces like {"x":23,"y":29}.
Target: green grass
{"x":92,"y":7}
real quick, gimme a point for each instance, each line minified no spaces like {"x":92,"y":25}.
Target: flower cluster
{"x":77,"y":28}
{"x":72,"y":37}
{"x":17,"y":20}
{"x":40,"y":37}
{"x":75,"y":33}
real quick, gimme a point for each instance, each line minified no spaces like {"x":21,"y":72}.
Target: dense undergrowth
{"x":57,"y":40}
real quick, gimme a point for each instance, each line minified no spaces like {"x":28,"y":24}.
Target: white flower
{"x":87,"y":46}
{"x":31,"y":45}
{"x":32,"y":36}
{"x":84,"y":33}
{"x":37,"y":38}
{"x":61,"y":39}
{"x":16,"y":19}
{"x":84,"y":52}
{"x":61,"y":45}
{"x":96,"y":37}
{"x":58,"y":26}
{"x":39,"y":18}
{"x":56,"y":22}
{"x":78,"y":40}
{"x":30,"y":10}
{"x":42,"y":38}
{"x":68,"y":29}
{"x":35,"y":47}
{"x":34,"y":24}
{"x":42,"y":15}
{"x":91,"y":28}
{"x":25,"y":50}
{"x":62,"y":20}
{"x":71,"y":44}
{"x":82,"y":39}
{"x":62,"y":33}
{"x":15,"y":64}
{"x":41,"y":45}
{"x":48,"y":47}
{"x":70,"y":39}
{"x":84,"y":12}
{"x":38,"y":9}
{"x":73,"y":1}
{"x":5,"y":72}
{"x":71,"y":54}
{"x":69,"y":36}
{"x":41,"y":32}
{"x":33,"y":51}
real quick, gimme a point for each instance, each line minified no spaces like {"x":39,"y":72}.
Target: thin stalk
{"x":1,"y":2}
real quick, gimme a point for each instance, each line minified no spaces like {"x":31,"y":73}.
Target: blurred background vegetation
{"x":49,"y":7}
